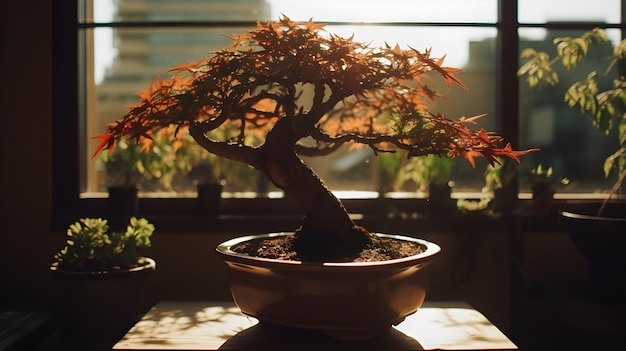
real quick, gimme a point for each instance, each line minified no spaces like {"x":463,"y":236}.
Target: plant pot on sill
{"x":439,"y":199}
{"x":504,"y":199}
{"x":542,"y":201}
{"x":209,"y":198}
{"x":602,"y":240}
{"x":100,"y":305}
{"x":352,"y":301}
{"x":123,"y":200}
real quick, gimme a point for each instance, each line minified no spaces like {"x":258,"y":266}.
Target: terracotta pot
{"x":601,"y":239}
{"x":352,"y":301}
{"x":100,"y":305}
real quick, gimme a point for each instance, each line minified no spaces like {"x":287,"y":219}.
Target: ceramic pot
{"x":100,"y":305}
{"x":601,"y":239}
{"x":352,"y":301}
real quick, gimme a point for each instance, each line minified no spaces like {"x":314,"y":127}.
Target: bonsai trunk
{"x":327,"y":233}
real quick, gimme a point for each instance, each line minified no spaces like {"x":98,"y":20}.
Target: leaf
{"x":470,"y":155}
{"x":106,"y":142}
{"x":526,"y":67}
{"x":146,"y":95}
{"x":610,"y":161}
{"x":579,"y":48}
{"x":528,"y":52}
{"x":312,"y":27}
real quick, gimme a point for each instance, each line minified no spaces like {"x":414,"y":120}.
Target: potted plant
{"x":212,"y":174}
{"x":501,"y":182}
{"x":437,"y":175}
{"x":100,"y":275}
{"x":153,"y":163}
{"x":123,"y":170}
{"x":596,"y":230}
{"x":543,"y":184}
{"x":431,"y":174}
{"x":302,"y":91}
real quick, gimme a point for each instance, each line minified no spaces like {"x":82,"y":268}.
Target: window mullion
{"x":507,"y":93}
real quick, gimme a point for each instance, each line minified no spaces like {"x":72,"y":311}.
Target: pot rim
{"x":574,"y":215}
{"x":432,"y":249}
{"x":148,"y":264}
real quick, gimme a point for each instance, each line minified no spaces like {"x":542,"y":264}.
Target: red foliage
{"x":333,"y":89}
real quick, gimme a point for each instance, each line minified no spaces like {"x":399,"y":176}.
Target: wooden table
{"x":172,"y":325}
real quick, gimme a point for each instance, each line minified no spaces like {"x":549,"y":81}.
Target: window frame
{"x":68,"y":131}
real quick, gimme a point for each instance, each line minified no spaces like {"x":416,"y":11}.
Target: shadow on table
{"x":266,"y":336}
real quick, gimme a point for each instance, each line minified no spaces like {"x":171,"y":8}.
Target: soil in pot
{"x":282,"y":248}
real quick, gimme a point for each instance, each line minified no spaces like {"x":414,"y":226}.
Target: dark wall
{"x":25,"y":241}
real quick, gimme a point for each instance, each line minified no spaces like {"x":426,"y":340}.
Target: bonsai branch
{"x":232,"y":151}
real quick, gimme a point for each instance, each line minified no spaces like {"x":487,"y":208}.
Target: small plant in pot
{"x":100,"y":275}
{"x":543,"y":183}
{"x":596,"y":229}
{"x":152,"y":163}
{"x":430,"y":174}
{"x":123,"y":170}
{"x":501,"y":182}
{"x":302,"y":91}
{"x":437,"y":172}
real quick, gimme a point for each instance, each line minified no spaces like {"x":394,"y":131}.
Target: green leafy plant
{"x":420,"y":171}
{"x":163,"y":155}
{"x":90,"y":247}
{"x":123,"y":166}
{"x":543,"y":179}
{"x":607,"y":108}
{"x":288,"y":89}
{"x":169,"y":159}
{"x":431,"y":169}
{"x":499,"y":175}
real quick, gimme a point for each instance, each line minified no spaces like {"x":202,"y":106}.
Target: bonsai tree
{"x":606,"y":107}
{"x":298,"y":90}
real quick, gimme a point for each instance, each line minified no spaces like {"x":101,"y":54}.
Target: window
{"x":568,"y":139}
{"x":119,"y":46}
{"x":570,"y":142}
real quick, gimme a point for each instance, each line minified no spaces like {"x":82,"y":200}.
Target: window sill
{"x":267,"y":214}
